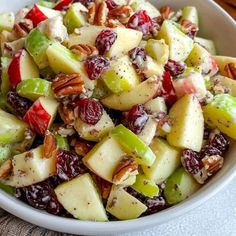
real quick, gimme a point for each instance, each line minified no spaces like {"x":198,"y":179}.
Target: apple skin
{"x":61,"y":4}
{"x":36,"y":15}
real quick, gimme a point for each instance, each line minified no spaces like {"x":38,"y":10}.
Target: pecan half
{"x":82,"y":147}
{"x":230,"y":70}
{"x":84,"y":50}
{"x":97,"y":13}
{"x":49,"y":145}
{"x":126,"y":168}
{"x":67,"y":114}
{"x":114,"y":23}
{"x":66,"y":85}
{"x":104,"y":186}
{"x":212,"y":164}
{"x":121,"y":13}
{"x":167,"y":12}
{"x":23,"y":27}
{"x":189,"y":28}
{"x":6,"y":169}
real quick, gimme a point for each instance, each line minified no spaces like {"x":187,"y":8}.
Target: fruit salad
{"x":111,"y":110}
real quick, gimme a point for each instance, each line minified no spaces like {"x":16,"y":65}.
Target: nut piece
{"x":166,"y":12}
{"x":97,"y":13}
{"x":6,"y":169}
{"x":67,"y":114}
{"x":49,"y":145}
{"x":114,"y":23}
{"x":230,"y":70}
{"x":212,"y":164}
{"x":23,"y":27}
{"x":126,"y":168}
{"x":82,"y":147}
{"x":121,"y":13}
{"x":104,"y":186}
{"x":189,"y":28}
{"x":65,"y":85}
{"x":84,"y":50}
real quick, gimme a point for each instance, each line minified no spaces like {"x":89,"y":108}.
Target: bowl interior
{"x":214,"y":24}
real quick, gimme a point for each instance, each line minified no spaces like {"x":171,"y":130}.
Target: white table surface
{"x":216,"y":217}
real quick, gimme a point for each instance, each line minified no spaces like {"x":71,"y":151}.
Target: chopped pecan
{"x":6,"y":169}
{"x":230,"y":70}
{"x":104,"y":186}
{"x":84,"y":50}
{"x":82,"y":147}
{"x":126,"y":168}
{"x":121,"y":13}
{"x":166,"y":12}
{"x":212,"y":164}
{"x":66,"y":85}
{"x":114,"y":23}
{"x":49,"y":145}
{"x":189,"y":28}
{"x":67,"y":114}
{"x":23,"y":27}
{"x":97,"y":13}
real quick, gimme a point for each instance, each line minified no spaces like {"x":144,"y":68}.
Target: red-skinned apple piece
{"x":62,"y":4}
{"x":22,"y":67}
{"x":41,"y":114}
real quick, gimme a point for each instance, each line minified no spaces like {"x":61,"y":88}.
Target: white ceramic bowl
{"x":215,"y":24}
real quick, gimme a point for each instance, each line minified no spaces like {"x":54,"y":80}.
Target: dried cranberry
{"x":90,"y":110}
{"x":111,"y":4}
{"x":190,"y":161}
{"x":54,"y":207}
{"x":175,"y":68}
{"x":141,"y":21}
{"x":85,"y":2}
{"x":105,"y":40}
{"x":67,"y":165}
{"x":19,"y":104}
{"x":137,"y":118}
{"x":95,"y":65}
{"x":154,"y":205}
{"x":220,"y":142}
{"x":138,"y":56}
{"x":206,"y":134}
{"x":210,"y":150}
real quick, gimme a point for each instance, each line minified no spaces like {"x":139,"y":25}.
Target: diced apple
{"x":200,"y":57}
{"x":149,"y":131}
{"x":22,"y":67}
{"x":227,"y":82}
{"x":190,"y":13}
{"x":156,"y":105}
{"x":80,"y":198}
{"x":104,"y":158}
{"x":94,"y":132}
{"x":152,"y":68}
{"x":124,"y":206}
{"x":221,"y":113}
{"x":145,"y":186}
{"x":61,"y":4}
{"x":62,"y":142}
{"x":121,"y":76}
{"x":222,"y":61}
{"x":36,"y":44}
{"x":34,"y":88}
{"x":5,"y":83}
{"x":5,"y":152}
{"x":180,"y":186}
{"x":7,"y":21}
{"x":41,"y":114}
{"x":74,"y":17}
{"x":158,"y":50}
{"x":180,"y":45}
{"x":209,"y":45}
{"x":167,"y":160}
{"x":133,"y":145}
{"x":15,"y":46}
{"x":11,"y":128}
{"x":31,"y":167}
{"x":188,"y":123}
{"x":141,"y":94}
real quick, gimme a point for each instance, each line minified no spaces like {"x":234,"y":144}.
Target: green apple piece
{"x":158,"y":50}
{"x":180,"y":45}
{"x":226,"y":82}
{"x":80,"y":198}
{"x":34,"y":88}
{"x":127,"y":39}
{"x":94,"y":132}
{"x":8,"y":189}
{"x":31,"y":167}
{"x":152,"y":68}
{"x":141,"y":94}
{"x":62,"y":142}
{"x":5,"y":152}
{"x":222,"y":61}
{"x":220,"y":113}
{"x":121,"y":76}
{"x":46,"y":4}
{"x":156,"y":105}
{"x":49,"y":13}
{"x":104,"y":158}
{"x":124,"y":206}
{"x":74,"y":17}
{"x":188,"y":123}
{"x":149,"y":131}
{"x":7,"y":21}
{"x":5,"y":84}
{"x":100,"y":91}
{"x":209,"y":45}
{"x":11,"y":128}
{"x":132,"y":144}
{"x":190,"y":13}
{"x":179,"y":186}
{"x":36,"y":44}
{"x":145,"y":186}
{"x":145,"y":5}
{"x":167,"y":161}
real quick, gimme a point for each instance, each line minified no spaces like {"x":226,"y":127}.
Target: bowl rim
{"x":56,"y":223}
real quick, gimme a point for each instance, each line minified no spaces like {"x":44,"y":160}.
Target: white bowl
{"x":215,"y":24}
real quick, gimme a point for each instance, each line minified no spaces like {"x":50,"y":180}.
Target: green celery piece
{"x":190,"y":13}
{"x":7,"y":189}
{"x":46,"y":4}
{"x":4,"y":105}
{"x":5,"y":84}
{"x":5,"y":152}
{"x":62,"y":142}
